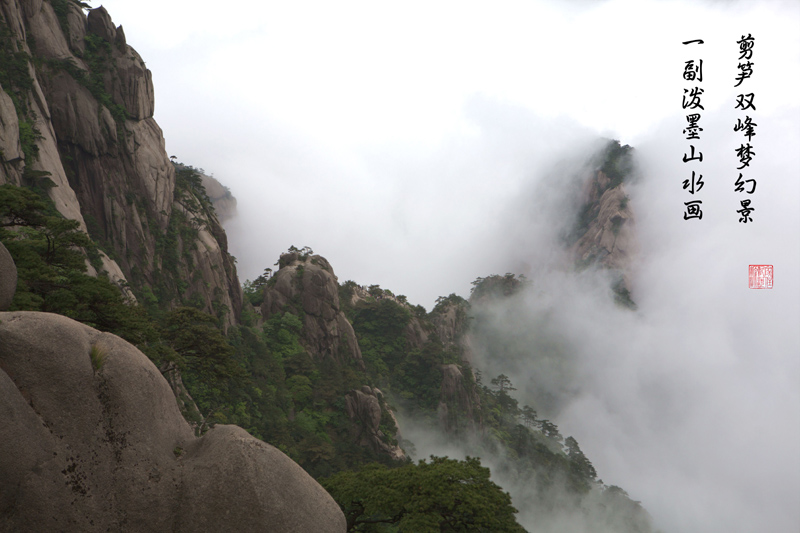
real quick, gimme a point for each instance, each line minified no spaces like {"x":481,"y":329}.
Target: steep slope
{"x":76,"y":107}
{"x":605,"y":229}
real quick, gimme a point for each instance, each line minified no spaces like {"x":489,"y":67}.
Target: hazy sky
{"x":413,"y":145}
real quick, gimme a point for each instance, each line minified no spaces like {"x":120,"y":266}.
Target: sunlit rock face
{"x":305,"y":284}
{"x":93,"y":440}
{"x":101,"y":156}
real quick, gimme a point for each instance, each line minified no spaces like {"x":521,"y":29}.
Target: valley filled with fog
{"x":421,"y":148}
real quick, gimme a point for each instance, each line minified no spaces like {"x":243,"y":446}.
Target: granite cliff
{"x":76,"y":109}
{"x":605,"y":231}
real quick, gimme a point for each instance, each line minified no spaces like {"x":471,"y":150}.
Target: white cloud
{"x":410,"y":145}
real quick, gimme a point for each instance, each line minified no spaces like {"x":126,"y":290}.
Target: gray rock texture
{"x":8,"y":278}
{"x":450,"y":322}
{"x":270,"y":490}
{"x":459,"y":403}
{"x":108,"y":161}
{"x":92,"y":440}
{"x":306,"y":283}
{"x":365,"y":410}
{"x":610,"y":235}
{"x":224,"y":202}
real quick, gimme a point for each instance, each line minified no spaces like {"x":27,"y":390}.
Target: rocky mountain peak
{"x":605,"y":232}
{"x":77,"y":121}
{"x":306,"y":285}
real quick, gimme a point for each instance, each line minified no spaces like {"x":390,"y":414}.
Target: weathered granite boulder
{"x":8,"y":278}
{"x":92,"y":440}
{"x":307,"y":283}
{"x":272,"y":492}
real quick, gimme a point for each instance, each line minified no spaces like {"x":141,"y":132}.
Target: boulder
{"x":92,"y":440}
{"x":274,"y":492}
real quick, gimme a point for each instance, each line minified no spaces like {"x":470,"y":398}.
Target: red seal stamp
{"x":760,"y":276}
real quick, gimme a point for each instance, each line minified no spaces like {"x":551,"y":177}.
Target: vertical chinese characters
{"x":745,"y":102}
{"x":692,"y":104}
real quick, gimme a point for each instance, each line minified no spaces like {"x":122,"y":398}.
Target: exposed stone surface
{"x":270,"y":491}
{"x":97,"y":443}
{"x":77,"y":23}
{"x":8,"y":278}
{"x":307,"y":284}
{"x":609,"y":238}
{"x":99,"y":23}
{"x":459,"y":403}
{"x":108,"y":169}
{"x":9,"y":128}
{"x":416,"y":333}
{"x":449,"y":321}
{"x":365,"y":411}
{"x":50,"y":41}
{"x":224,"y":202}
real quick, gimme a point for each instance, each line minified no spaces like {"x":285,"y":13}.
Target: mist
{"x":421,"y":148}
{"x":690,"y":402}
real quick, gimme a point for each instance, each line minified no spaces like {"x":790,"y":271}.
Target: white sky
{"x":411,"y":144}
{"x":312,"y":110}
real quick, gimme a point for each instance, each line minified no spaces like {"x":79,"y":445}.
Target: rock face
{"x":459,"y":404}
{"x":92,"y":440}
{"x":610,"y":235}
{"x":8,"y":278}
{"x":224,"y":202}
{"x":80,"y":124}
{"x":416,"y":333}
{"x":365,"y":409}
{"x":306,"y":285}
{"x":605,"y":232}
{"x":450,"y":322}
